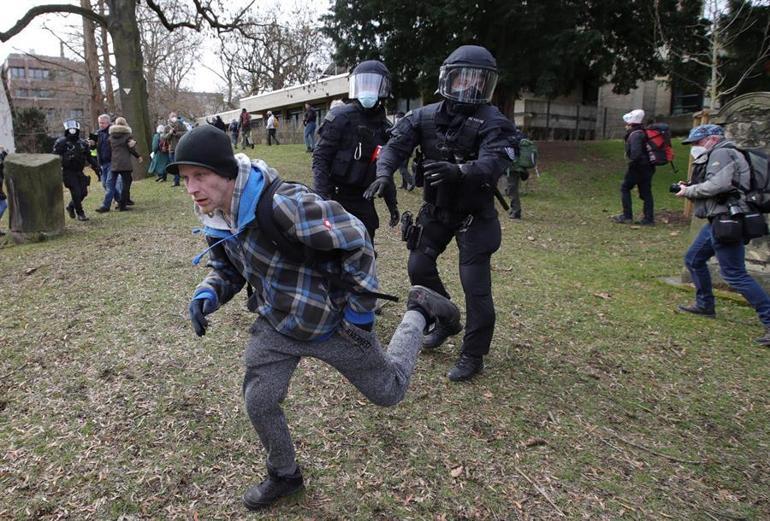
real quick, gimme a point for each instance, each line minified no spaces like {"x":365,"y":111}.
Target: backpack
{"x":295,"y":251}
{"x":527,"y":157}
{"x":758,"y":194}
{"x":657,"y":141}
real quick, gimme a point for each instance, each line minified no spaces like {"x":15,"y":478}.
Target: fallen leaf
{"x":603,"y":295}
{"x":457,"y":471}
{"x":30,"y":271}
{"x":535,"y":442}
{"x":530,"y":238}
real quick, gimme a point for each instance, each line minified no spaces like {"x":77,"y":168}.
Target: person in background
{"x":309,"y":120}
{"x":174,"y":132}
{"x":407,"y":181}
{"x":233,"y":128}
{"x":246,"y":140}
{"x":104,"y":157}
{"x":159,"y":155}
{"x":123,"y":147}
{"x":271,"y":126}
{"x":75,"y":154}
{"x":3,"y":197}
{"x":639,"y":171}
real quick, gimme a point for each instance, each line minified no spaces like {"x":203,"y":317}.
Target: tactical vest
{"x":354,"y":164}
{"x":458,"y":145}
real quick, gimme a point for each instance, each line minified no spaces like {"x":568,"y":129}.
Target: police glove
{"x":395,"y":217}
{"x":438,"y":172}
{"x":199,"y":308}
{"x":378,"y":187}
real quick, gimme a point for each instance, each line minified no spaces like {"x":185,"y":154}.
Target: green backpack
{"x":527,"y":157}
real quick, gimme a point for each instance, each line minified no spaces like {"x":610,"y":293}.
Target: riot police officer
{"x":74,"y":152}
{"x":466,"y":146}
{"x":350,"y":139}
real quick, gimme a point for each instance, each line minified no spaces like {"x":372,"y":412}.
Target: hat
{"x":702,"y":131}
{"x":635,"y":117}
{"x":205,"y":146}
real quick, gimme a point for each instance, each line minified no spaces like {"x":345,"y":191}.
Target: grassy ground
{"x":597,"y":402}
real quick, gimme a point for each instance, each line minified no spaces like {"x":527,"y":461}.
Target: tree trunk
{"x":106,"y":65}
{"x":129,"y":67}
{"x":92,"y":66}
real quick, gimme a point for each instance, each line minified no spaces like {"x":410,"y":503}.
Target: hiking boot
{"x":435,"y":305}
{"x":129,"y":203}
{"x":102,"y":209}
{"x":645,"y":222}
{"x":272,"y":489}
{"x":764,"y":340}
{"x":695,"y":309}
{"x":71,"y":212}
{"x":621,"y":219}
{"x":82,"y":216}
{"x":440,"y":333}
{"x":466,"y":367}
{"x":514,"y":215}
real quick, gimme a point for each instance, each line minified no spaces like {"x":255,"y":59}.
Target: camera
{"x":674,"y":188}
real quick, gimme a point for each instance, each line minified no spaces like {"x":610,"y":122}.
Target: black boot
{"x":272,"y":489}
{"x":82,"y":216}
{"x":465,"y":368}
{"x":71,"y":211}
{"x":696,"y":310}
{"x":440,"y":333}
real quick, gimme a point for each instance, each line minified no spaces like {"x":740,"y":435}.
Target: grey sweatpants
{"x":270,"y":359}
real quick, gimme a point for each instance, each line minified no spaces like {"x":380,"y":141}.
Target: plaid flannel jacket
{"x":297,"y":299}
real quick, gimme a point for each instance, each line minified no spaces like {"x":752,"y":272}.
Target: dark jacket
{"x":310,"y":116}
{"x":479,"y":142}
{"x":175,"y":132}
{"x":121,"y":152}
{"x":103,"y":150}
{"x":74,"y":153}
{"x":636,"y":149}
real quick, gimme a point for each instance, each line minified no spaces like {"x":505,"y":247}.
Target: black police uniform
{"x":344,"y":159}
{"x":480,"y":141}
{"x":74,"y":153}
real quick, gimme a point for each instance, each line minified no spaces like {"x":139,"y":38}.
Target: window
{"x":22,"y":93}
{"x":76,"y":114}
{"x":17,"y":72}
{"x":39,"y":74}
{"x":39,"y":93}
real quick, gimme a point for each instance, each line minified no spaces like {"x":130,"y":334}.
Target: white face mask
{"x":173,"y":119}
{"x":697,"y":151}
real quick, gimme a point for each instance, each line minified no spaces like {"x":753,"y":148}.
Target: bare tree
{"x":92,"y":65}
{"x":274,"y":54}
{"x":120,"y":21}
{"x":723,"y":26}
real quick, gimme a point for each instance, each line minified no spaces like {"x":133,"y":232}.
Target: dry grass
{"x":597,"y":403}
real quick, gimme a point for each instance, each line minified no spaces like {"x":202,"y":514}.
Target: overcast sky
{"x":35,"y":39}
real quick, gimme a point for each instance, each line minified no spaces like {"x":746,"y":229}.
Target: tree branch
{"x":46,"y":9}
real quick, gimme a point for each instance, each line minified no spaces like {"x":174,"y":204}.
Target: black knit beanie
{"x":205,"y":146}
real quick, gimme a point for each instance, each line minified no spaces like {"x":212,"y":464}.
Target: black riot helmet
{"x":369,"y":82}
{"x":468,"y":75}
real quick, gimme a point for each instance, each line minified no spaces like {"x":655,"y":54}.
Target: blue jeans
{"x":176,"y":176}
{"x":310,"y":136}
{"x":732,"y":268}
{"x":3,"y":206}
{"x":112,"y":189}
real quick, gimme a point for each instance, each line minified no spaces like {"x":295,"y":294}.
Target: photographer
{"x":718,"y":168}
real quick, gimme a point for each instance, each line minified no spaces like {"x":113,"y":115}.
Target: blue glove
{"x":203,"y":303}
{"x":361,"y":319}
{"x":438,"y":172}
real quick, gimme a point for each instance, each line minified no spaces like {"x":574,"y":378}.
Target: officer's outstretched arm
{"x":492,"y":159}
{"x":403,"y":138}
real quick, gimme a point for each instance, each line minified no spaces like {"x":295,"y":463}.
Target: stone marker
{"x":35,"y":197}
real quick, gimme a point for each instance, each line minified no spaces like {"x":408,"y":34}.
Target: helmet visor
{"x":368,"y":83}
{"x":71,"y":123}
{"x":467,"y":84}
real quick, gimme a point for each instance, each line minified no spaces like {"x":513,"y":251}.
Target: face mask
{"x":697,"y":151}
{"x":368,"y":100}
{"x":173,"y":120}
{"x":72,"y":131}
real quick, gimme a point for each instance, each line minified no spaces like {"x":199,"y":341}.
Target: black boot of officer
{"x":467,"y":145}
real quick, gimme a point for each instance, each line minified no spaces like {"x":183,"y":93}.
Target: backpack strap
{"x":294,"y":250}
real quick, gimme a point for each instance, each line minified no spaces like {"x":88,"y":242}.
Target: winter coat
{"x":636,"y":152}
{"x":175,"y":132}
{"x":121,"y":152}
{"x":713,"y":181}
{"x":159,"y":159}
{"x":103,"y":152}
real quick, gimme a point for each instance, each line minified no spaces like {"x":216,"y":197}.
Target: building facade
{"x":56,"y":86}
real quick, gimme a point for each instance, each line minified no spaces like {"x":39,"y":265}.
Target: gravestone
{"x":35,"y":198}
{"x":746,"y":120}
